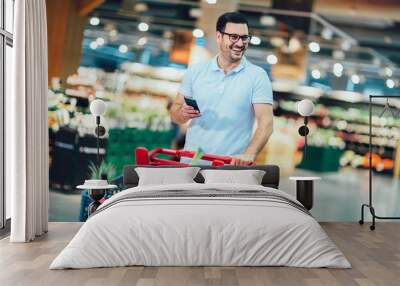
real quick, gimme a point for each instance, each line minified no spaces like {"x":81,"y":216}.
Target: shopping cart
{"x":145,"y":157}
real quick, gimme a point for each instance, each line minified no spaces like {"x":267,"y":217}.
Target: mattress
{"x":201,"y":225}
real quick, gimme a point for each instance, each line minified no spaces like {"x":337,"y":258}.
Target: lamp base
{"x":305,"y":193}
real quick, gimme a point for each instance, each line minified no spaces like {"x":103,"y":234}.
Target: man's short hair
{"x":231,"y":17}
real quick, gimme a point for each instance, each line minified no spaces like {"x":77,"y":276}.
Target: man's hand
{"x":181,"y":112}
{"x":187,"y":112}
{"x":243,"y":160}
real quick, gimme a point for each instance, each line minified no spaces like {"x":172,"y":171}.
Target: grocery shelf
{"x":349,"y":123}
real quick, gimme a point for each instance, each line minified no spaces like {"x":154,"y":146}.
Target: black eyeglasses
{"x":235,"y":37}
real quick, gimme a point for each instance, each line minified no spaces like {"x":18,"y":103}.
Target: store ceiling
{"x":365,"y":44}
{"x":381,"y":34}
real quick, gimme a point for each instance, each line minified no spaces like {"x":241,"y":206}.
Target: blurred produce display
{"x":345,"y":126}
{"x":136,"y":115}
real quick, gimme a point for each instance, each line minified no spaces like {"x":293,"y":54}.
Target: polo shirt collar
{"x":214,"y":64}
{"x":243,"y":63}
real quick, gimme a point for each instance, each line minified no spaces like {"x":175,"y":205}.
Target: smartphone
{"x":192,"y":102}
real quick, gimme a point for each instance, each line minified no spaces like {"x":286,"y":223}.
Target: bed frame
{"x":270,"y":179}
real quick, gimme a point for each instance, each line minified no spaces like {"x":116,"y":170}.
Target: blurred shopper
{"x":231,"y":93}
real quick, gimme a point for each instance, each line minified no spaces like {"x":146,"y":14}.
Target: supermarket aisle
{"x":338,"y":196}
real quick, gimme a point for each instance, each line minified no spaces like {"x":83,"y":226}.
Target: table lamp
{"x":305,"y":108}
{"x":98,"y":108}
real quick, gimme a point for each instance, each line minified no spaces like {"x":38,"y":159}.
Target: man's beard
{"x":238,"y":52}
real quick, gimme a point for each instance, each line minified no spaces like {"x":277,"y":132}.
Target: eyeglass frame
{"x":239,"y":37}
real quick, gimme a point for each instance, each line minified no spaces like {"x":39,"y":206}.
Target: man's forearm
{"x":260,"y":138}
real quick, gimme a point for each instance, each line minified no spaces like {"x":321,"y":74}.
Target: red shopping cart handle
{"x":145,"y":157}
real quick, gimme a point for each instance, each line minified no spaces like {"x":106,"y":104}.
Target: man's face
{"x":228,"y":47}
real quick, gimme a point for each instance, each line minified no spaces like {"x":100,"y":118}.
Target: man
{"x":231,"y":92}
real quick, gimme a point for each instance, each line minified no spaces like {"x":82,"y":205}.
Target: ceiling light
{"x":277,"y":42}
{"x":345,"y":45}
{"x":338,"y":69}
{"x":195,"y":12}
{"x":212,"y":1}
{"x":143,"y":27}
{"x":140,"y":7}
{"x":272,"y":59}
{"x":327,"y":34}
{"x":388,"y":71}
{"x":267,"y":20}
{"x":100,"y":41}
{"x":123,"y":49}
{"x":94,"y":21}
{"x":390,"y":83}
{"x":355,"y":78}
{"x":93,"y":45}
{"x":314,"y":47}
{"x":142,"y":41}
{"x":198,"y":33}
{"x":338,"y":55}
{"x":255,"y":40}
{"x":316,"y":74}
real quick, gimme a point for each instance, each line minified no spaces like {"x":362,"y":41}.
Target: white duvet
{"x":200,"y":231}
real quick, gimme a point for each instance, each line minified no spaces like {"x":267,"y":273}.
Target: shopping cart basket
{"x":145,"y":157}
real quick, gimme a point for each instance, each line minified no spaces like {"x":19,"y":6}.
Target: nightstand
{"x":96,"y":190}
{"x":305,"y":190}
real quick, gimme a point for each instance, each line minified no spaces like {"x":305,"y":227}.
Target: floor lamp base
{"x":374,"y":216}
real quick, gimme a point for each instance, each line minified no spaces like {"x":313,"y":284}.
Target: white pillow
{"x":248,"y":177}
{"x":166,"y":176}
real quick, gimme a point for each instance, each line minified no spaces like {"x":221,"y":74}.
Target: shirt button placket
{"x":222,"y":86}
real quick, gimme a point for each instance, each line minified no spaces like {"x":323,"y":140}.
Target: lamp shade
{"x":97,"y":107}
{"x":305,"y":107}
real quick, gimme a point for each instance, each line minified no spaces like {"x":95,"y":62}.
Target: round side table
{"x":96,"y":193}
{"x":305,"y":190}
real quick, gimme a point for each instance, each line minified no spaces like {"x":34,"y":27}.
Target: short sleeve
{"x":186,"y":86}
{"x":262,"y":89}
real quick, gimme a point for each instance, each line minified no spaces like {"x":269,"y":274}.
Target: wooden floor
{"x":375,"y":257}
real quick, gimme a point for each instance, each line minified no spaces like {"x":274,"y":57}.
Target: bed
{"x":197,"y":224}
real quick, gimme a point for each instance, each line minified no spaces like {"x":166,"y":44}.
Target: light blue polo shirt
{"x":226,"y":105}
